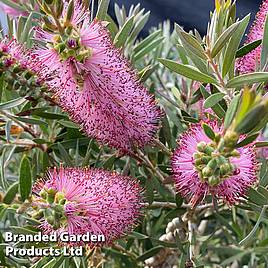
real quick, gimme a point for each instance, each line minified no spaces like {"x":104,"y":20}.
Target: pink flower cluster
{"x":96,"y":85}
{"x":188,"y":181}
{"x":96,"y":201}
{"x":249,"y":62}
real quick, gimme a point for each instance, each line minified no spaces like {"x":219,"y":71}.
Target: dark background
{"x":188,"y":13}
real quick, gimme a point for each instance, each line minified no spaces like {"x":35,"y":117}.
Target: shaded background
{"x":188,"y":13}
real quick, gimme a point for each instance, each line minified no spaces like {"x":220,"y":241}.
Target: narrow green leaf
{"x":247,"y":140}
{"x":27,"y":28}
{"x":139,"y":26}
{"x":188,"y":71}
{"x":247,"y":79}
{"x":190,"y":42}
{"x":102,"y":9}
{"x":261,"y":144}
{"x":263,"y":191}
{"x":148,"y":48}
{"x":248,"y":48}
{"x":148,"y":40}
{"x":218,"y":110}
{"x":112,"y":27}
{"x":11,"y":193}
{"x":231,"y":111}
{"x":68,"y":124}
{"x":118,"y":15}
{"x":251,"y":235}
{"x":264,"y":51}
{"x":145,"y":73}
{"x":25,"y":178}
{"x":223,"y":39}
{"x":12,"y":103}
{"x":208,"y":131}
{"x":123,"y":33}
{"x":65,"y":156}
{"x":213,"y":100}
{"x":32,"y":121}
{"x":48,"y":115}
{"x":108,"y":164}
{"x":233,"y":45}
{"x":151,"y":252}
{"x":256,"y":197}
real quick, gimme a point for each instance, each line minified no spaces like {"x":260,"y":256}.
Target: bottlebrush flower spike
{"x":96,"y":85}
{"x":88,"y":200}
{"x":248,"y":63}
{"x":189,"y":161}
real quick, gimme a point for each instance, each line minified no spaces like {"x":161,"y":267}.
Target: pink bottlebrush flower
{"x":89,"y":201}
{"x":248,"y":63}
{"x":15,"y":55}
{"x":12,"y":11}
{"x":97,"y":87}
{"x":188,"y":180}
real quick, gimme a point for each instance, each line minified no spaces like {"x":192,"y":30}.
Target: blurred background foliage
{"x":35,"y":134}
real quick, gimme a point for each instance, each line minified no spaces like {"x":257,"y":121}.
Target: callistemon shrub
{"x":96,"y":85}
{"x":82,"y":200}
{"x":199,"y":169}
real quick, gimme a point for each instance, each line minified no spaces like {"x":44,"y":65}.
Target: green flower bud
{"x":201,"y":146}
{"x":213,"y":181}
{"x":225,"y":169}
{"x":59,"y":196}
{"x":208,"y":150}
{"x":60,"y":47}
{"x":231,"y":138}
{"x":43,"y":194}
{"x":207,"y":172}
{"x":212,"y":164}
{"x":197,"y":155}
{"x":50,"y":220}
{"x":205,"y":159}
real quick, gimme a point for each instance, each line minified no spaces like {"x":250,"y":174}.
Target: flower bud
{"x":225,"y":169}
{"x":201,"y":146}
{"x":208,"y":150}
{"x":50,"y":220}
{"x":213,"y":180}
{"x":207,"y":172}
{"x":231,"y":138}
